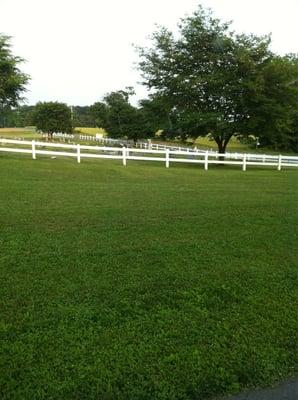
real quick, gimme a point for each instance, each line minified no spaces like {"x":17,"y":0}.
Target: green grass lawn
{"x":19,"y":133}
{"x":30,"y":132}
{"x":234,"y":145}
{"x":142,"y":282}
{"x":206,"y":143}
{"x":90,"y":131}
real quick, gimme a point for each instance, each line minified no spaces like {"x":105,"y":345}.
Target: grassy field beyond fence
{"x":29,"y":133}
{"x":140,"y":282}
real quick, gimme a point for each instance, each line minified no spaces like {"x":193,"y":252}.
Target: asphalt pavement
{"x":287,"y":390}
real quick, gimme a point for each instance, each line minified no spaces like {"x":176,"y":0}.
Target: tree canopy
{"x":274,"y":105}
{"x":83,"y":116}
{"x":12,"y":80}
{"x":120,"y":118}
{"x":215,"y":80}
{"x":50,"y":117}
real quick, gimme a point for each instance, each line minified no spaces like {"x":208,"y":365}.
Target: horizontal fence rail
{"x":124,"y":142}
{"x":78,"y":151}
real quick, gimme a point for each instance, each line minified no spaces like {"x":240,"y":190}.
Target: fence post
{"x":279,"y":163}
{"x":167,"y":158}
{"x":33,"y":150}
{"x":206,"y":160}
{"x":244,"y":163}
{"x":78,"y":153}
{"x":124,"y":155}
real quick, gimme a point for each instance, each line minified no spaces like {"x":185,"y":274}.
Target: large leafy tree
{"x":12,"y":80}
{"x":158,"y":116}
{"x":293,"y":136}
{"x":50,"y":117}
{"x":82,"y":116}
{"x":18,"y":116}
{"x":209,"y":75}
{"x":120,"y":118}
{"x":274,"y":105}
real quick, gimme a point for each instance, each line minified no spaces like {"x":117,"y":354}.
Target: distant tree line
{"x":203,"y":80}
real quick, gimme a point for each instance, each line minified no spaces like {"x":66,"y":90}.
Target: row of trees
{"x":204,"y":80}
{"x":115,"y":114}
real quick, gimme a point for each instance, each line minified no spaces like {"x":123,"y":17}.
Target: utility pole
{"x":71,"y":116}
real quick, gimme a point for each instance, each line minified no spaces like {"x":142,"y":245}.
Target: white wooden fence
{"x":63,"y":135}
{"x":78,"y":151}
{"x":106,"y":140}
{"x":157,"y":146}
{"x":124,"y":142}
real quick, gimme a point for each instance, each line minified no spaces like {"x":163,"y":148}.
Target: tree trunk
{"x":221,"y":149}
{"x":222,"y":144}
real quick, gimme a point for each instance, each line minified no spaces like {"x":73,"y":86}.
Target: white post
{"x":33,"y":150}
{"x":244,"y":163}
{"x":167,"y":158}
{"x":279,"y":163}
{"x":206,"y":160}
{"x":264,"y":158}
{"x":78,"y":153}
{"x":124,"y":155}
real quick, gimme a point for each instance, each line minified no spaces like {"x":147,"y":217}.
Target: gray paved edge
{"x":287,"y":390}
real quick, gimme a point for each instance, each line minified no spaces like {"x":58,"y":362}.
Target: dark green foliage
{"x":159,"y":116}
{"x":274,"y":104}
{"x":20,"y":116}
{"x":220,"y":83}
{"x":83,"y":116}
{"x":52,"y":117}
{"x":144,"y":283}
{"x":12,"y":80}
{"x":119,"y":118}
{"x":293,"y":135}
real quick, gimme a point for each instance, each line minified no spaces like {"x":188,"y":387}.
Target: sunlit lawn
{"x":142,"y":282}
{"x":19,"y":133}
{"x":90,"y":131}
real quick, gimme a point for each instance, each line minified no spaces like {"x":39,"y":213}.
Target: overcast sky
{"x":78,"y":50}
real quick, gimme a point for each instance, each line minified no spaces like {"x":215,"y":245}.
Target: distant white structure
{"x":99,"y":136}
